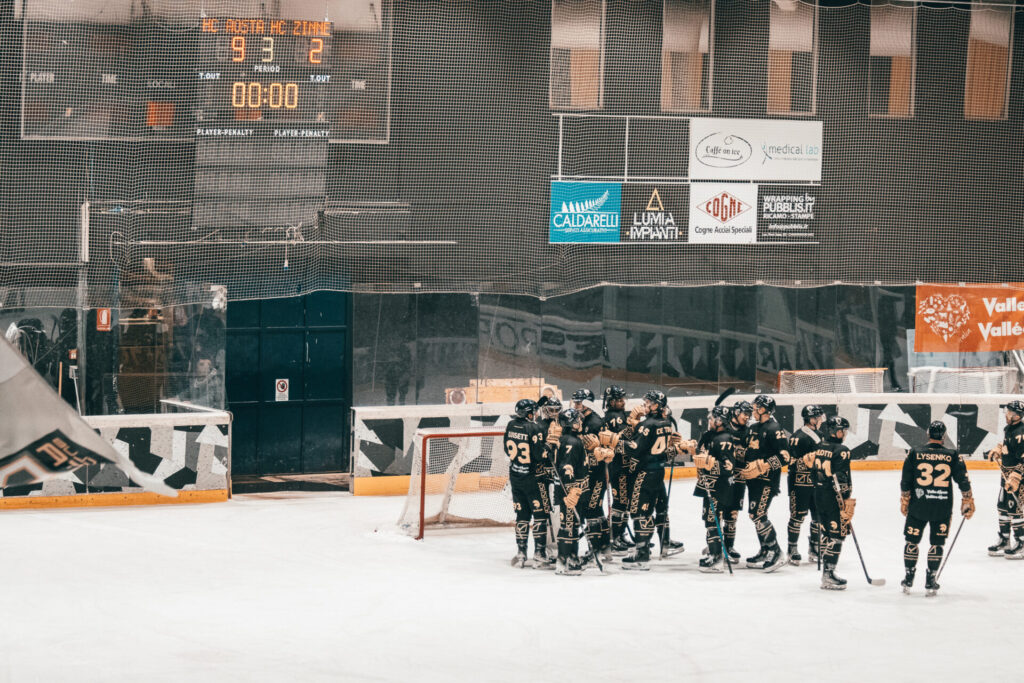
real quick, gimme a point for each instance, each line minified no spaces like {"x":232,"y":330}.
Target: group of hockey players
{"x":568,"y":460}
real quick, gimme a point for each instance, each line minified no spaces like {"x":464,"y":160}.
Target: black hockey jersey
{"x":926,"y":476}
{"x":592,"y":423}
{"x":615,"y":420}
{"x":570,"y":462}
{"x":650,"y":443}
{"x":802,"y":442}
{"x":1013,"y":439}
{"x":719,"y":479}
{"x":768,"y":441}
{"x":838,"y":457}
{"x":524,"y":446}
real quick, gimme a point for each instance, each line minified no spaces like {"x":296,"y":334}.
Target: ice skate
{"x":568,"y":566}
{"x":638,"y":560}
{"x":1015,"y":551}
{"x":757,"y":561}
{"x":541,"y":559}
{"x":907,"y":581}
{"x":519,"y":560}
{"x":794,"y":555}
{"x":829,"y":580}
{"x":711,"y":564}
{"x":931,"y":586}
{"x":773,"y":560}
{"x":1000,"y":546}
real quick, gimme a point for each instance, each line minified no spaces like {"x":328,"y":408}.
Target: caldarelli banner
{"x":969,"y":318}
{"x":585,"y":212}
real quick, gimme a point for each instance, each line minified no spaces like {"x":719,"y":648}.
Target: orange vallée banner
{"x":952,"y":318}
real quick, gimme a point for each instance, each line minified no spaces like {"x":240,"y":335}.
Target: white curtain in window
{"x":792,"y":27}
{"x":892,"y":31}
{"x":991,"y":24}
{"x":576,"y":24}
{"x":686,"y":26}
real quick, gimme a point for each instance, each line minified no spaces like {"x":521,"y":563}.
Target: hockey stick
{"x":856,"y":544}
{"x":581,"y":519}
{"x":950,"y":551}
{"x":721,"y":536}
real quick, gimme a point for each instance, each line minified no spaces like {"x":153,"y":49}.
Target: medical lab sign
{"x":755,"y":150}
{"x":585,"y":212}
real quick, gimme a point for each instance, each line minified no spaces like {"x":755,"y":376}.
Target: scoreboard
{"x":214,"y":77}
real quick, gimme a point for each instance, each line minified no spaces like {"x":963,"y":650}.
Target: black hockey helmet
{"x":936,"y":430}
{"x":571,"y":419}
{"x":836,"y":424}
{"x":581,"y":395}
{"x":1016,"y":406}
{"x":525,"y":407}
{"x":720,"y":413}
{"x":659,"y":400}
{"x":765,"y":401}
{"x":741,"y":407}
{"x":613,"y":393}
{"x":810,"y":412}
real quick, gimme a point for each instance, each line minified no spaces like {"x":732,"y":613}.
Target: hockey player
{"x":739,"y":417}
{"x":830,"y":465}
{"x":801,"y":487}
{"x":926,"y":475}
{"x":677,"y":447}
{"x":1010,"y":456}
{"x":653,"y":436}
{"x":714,"y":461}
{"x":524,"y":445}
{"x":766,"y":456}
{"x":614,"y":422}
{"x":598,"y":528}
{"x":570,"y":486}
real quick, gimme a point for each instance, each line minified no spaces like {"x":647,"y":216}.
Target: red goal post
{"x":459,"y":478}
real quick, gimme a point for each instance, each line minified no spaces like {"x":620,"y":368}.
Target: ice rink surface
{"x":322,"y":587}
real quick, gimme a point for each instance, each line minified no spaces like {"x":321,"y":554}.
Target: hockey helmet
{"x":936,"y":430}
{"x":613,"y":393}
{"x":571,"y":420}
{"x":810,"y":412}
{"x":836,"y":424}
{"x":525,"y":407}
{"x":765,"y":401}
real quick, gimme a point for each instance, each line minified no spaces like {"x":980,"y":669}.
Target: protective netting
{"x":153,"y":148}
{"x":466,"y":482}
{"x":937,"y":380}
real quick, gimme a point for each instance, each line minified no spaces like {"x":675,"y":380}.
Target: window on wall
{"x":792,"y":57}
{"x":988,"y":61}
{"x":686,"y":55}
{"x":893,"y":39}
{"x":577,"y":54}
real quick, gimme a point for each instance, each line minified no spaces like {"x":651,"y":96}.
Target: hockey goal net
{"x":835,"y":381}
{"x":459,"y":478}
{"x":938,"y":380}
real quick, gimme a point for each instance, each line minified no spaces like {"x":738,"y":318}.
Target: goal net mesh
{"x":938,"y":380}
{"x":459,"y":478}
{"x":838,"y":381}
{"x":403,"y":146}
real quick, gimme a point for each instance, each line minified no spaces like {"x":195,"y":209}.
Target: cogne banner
{"x":969,"y":318}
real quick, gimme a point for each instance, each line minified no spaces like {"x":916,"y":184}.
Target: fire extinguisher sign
{"x":103,"y":320}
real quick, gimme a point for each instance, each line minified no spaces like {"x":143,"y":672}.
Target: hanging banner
{"x":786,"y":214}
{"x":723,"y":213}
{"x":654,"y":213}
{"x":953,"y":318}
{"x":584,"y":212}
{"x":755,"y":149}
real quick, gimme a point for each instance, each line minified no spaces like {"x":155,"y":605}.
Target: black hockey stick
{"x":718,"y":528}
{"x":950,"y":551}
{"x":581,"y":519}
{"x":856,"y":544}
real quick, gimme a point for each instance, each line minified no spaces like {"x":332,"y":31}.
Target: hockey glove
{"x":754,"y":470}
{"x":590,"y":442}
{"x":703,"y":461}
{"x":572,"y":497}
{"x":904,"y":503}
{"x":808,"y":460}
{"x":603,"y":454}
{"x":554,"y":433}
{"x":996,"y":454}
{"x":1012,"y":482}
{"x":846,"y":514}
{"x":636,"y":415}
{"x":967,"y":505}
{"x":609,"y":439}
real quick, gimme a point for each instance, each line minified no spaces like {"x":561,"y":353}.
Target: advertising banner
{"x":969,"y":318}
{"x":723,"y":213}
{"x":755,"y":149}
{"x":584,"y":212}
{"x":654,"y":213}
{"x":786,"y":214}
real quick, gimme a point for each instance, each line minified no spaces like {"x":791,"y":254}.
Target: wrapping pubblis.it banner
{"x":959,"y":317}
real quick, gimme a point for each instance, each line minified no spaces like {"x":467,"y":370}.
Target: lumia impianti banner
{"x":969,"y":318}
